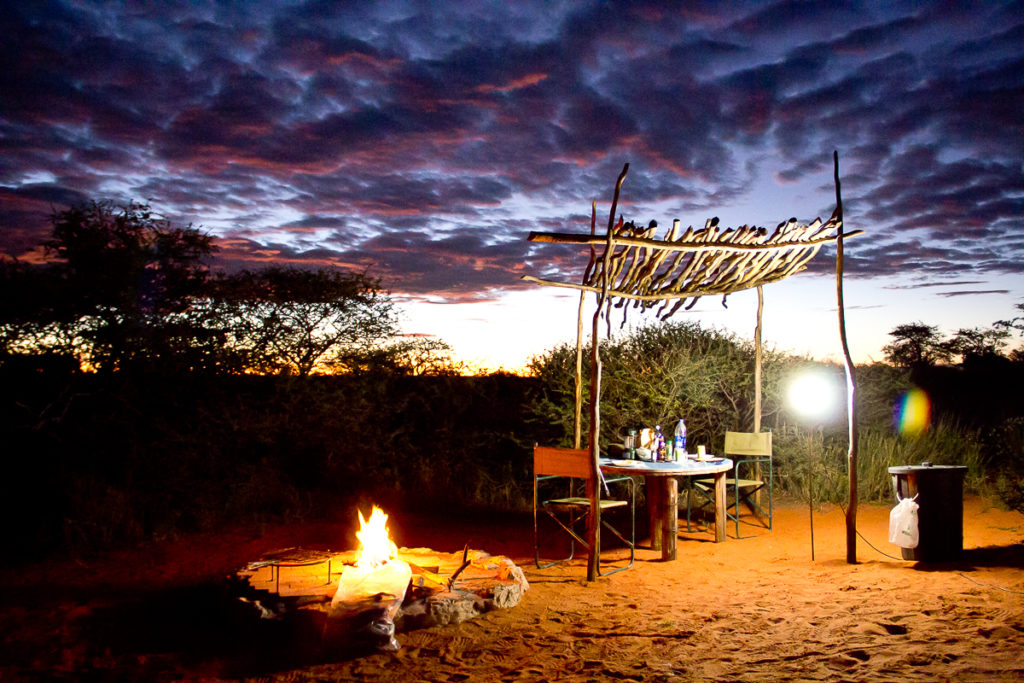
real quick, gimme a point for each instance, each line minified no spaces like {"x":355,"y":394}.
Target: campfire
{"x":365,"y":596}
{"x":377,"y":581}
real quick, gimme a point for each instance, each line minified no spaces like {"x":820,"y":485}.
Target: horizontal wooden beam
{"x":577,"y":238}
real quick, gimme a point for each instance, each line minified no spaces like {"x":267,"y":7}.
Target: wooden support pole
{"x":757,"y":361}
{"x":578,"y":413}
{"x":594,"y":518}
{"x":668,"y":511}
{"x":654,"y":491}
{"x":578,"y":410}
{"x":721,"y":519}
{"x":594,"y":490}
{"x":851,"y":385}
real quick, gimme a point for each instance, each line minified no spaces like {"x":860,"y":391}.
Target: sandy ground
{"x":752,"y":609}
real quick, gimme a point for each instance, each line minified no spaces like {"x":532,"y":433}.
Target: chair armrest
{"x":752,"y":460}
{"x":751,"y":463}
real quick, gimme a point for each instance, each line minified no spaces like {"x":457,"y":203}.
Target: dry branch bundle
{"x":686,"y":265}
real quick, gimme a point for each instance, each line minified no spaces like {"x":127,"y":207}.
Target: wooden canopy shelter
{"x":636,"y":268}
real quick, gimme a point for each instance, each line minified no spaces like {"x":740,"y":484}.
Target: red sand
{"x":750,"y":609}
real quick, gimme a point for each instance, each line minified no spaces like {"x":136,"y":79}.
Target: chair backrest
{"x":748,"y":444}
{"x":562,"y":462}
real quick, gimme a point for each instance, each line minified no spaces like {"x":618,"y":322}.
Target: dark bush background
{"x":93,"y":462}
{"x":97,"y":461}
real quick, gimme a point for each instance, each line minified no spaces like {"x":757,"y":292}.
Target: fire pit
{"x":364,"y":596}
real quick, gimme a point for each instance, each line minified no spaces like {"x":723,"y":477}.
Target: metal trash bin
{"x":940,"y":493}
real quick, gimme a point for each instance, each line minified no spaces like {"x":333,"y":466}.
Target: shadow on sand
{"x":205,"y":629}
{"x":1008,"y":556}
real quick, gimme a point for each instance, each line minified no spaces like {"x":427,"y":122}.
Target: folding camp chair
{"x":554,"y":467}
{"x":752,"y":472}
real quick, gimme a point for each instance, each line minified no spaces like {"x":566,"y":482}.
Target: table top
{"x":907,"y":469}
{"x":687,"y":468}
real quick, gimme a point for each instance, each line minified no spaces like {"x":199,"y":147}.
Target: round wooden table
{"x":662,"y":486}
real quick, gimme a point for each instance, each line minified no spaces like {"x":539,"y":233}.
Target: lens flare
{"x":913,"y":411}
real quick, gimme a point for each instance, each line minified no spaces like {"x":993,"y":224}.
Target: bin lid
{"x":907,"y":469}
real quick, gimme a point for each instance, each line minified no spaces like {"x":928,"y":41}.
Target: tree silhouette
{"x":118,"y":292}
{"x":977,"y":344}
{"x":293,"y":321}
{"x":915,"y":344}
{"x":127,"y":291}
{"x":131,"y":279}
{"x":1011,"y":326}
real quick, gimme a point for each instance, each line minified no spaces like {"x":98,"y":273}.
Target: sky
{"x":421,"y":142}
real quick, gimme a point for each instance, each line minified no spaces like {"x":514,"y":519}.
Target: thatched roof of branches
{"x":686,"y":265}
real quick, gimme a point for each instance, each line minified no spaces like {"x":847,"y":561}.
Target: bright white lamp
{"x":813,"y":395}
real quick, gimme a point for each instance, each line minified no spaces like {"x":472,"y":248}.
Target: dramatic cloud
{"x":421,"y":143}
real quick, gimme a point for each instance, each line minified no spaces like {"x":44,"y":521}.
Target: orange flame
{"x":375,"y":548}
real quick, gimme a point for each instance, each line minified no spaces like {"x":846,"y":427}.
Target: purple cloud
{"x":422,"y":143}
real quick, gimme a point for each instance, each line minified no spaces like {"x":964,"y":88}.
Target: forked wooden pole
{"x":851,"y":386}
{"x":594,"y":493}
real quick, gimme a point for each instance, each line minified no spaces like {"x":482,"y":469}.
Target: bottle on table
{"x":659,"y":444}
{"x":680,"y":440}
{"x":631,"y":438}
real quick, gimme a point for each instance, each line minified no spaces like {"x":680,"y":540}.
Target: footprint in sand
{"x":844,"y":660}
{"x":998,"y":633}
{"x":894,"y":629}
{"x":880,"y":628}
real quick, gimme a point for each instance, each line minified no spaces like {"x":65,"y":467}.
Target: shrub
{"x":823,"y":457}
{"x":661,"y":372}
{"x":656,"y":375}
{"x":1004,"y":445}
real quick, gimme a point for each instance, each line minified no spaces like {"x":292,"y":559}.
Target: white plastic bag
{"x":903,"y":523}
